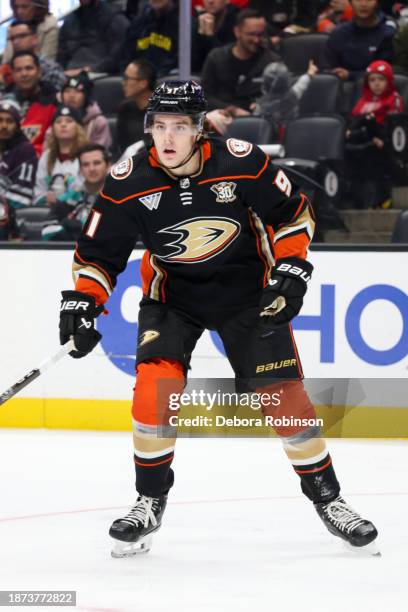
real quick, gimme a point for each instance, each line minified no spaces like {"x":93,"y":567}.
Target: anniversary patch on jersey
{"x":200,"y":238}
{"x":224,"y":191}
{"x":123,"y":169}
{"x":239,"y":148}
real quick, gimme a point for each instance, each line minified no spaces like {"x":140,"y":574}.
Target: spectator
{"x":77,"y":93}
{"x":279,"y":102}
{"x":336,"y":11}
{"x":72,"y":208}
{"x":214,"y":27}
{"x":37,"y":98}
{"x":287,"y":16}
{"x":139,"y":82}
{"x":90,"y":36}
{"x":366,"y":137}
{"x":352,"y":46}
{"x":58,"y":166}
{"x":36,"y":11}
{"x":18,"y":164}
{"x":228,"y":72}
{"x":23,"y":37}
{"x":153,"y":36}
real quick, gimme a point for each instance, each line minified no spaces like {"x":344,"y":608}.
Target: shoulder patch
{"x":122,"y":170}
{"x":239,"y":148}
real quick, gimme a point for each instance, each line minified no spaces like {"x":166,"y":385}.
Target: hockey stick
{"x":28,"y":378}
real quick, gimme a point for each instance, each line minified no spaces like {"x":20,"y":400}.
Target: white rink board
{"x":357,"y":304}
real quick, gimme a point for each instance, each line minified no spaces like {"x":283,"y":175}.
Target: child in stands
{"x":367,"y":151}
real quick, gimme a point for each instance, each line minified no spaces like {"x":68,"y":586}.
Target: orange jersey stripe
{"x":134,"y":195}
{"x":292,"y":246}
{"x":239,"y":176}
{"x":90,"y":263}
{"x":91,"y":287}
{"x":146,"y":272}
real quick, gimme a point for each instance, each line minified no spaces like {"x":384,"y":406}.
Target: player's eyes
{"x":181,"y":128}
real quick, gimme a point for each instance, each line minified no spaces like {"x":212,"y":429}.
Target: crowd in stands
{"x":56,"y":144}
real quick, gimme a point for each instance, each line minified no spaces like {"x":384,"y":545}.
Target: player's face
{"x":174,"y":138}
{"x":73,"y":97}
{"x":26,"y":74}
{"x":65,"y":128}
{"x":377,"y":83}
{"x":8,"y":126}
{"x":93,"y":167}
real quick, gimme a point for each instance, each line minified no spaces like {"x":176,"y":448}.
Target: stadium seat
{"x":314,"y":159}
{"x":297,"y":50}
{"x":31,"y":220}
{"x":114,"y":148}
{"x":400,"y":233}
{"x":253,"y":129}
{"x":401,"y":85}
{"x":348,"y":97}
{"x":109,"y":94}
{"x":322,"y":96}
{"x":315,"y":138}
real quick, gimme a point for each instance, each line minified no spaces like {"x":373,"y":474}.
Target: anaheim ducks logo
{"x":148,"y":336}
{"x":200,"y":238}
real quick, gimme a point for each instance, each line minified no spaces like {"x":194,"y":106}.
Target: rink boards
{"x":354,"y":325}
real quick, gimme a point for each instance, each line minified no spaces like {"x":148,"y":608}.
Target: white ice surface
{"x":237,"y":534}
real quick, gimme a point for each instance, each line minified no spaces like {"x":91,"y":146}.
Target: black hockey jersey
{"x":211,"y":238}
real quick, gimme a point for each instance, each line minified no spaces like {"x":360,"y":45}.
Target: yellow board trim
{"x":115,"y":415}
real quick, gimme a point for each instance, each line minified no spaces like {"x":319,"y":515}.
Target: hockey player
{"x":226,"y":238}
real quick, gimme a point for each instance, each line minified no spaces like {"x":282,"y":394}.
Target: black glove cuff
{"x":294,"y":267}
{"x":78,"y":303}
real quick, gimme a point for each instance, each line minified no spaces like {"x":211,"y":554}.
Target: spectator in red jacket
{"x":36,"y":98}
{"x":367,"y":137}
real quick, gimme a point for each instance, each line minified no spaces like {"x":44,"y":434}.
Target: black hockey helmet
{"x":179,"y":98}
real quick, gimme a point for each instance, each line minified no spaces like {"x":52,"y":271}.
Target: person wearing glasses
{"x":23,"y":36}
{"x":138,"y":84}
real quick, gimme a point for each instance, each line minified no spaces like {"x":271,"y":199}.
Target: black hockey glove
{"x":77,"y":318}
{"x":282,"y":298}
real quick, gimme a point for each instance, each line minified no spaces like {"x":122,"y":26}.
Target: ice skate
{"x":133,"y":532}
{"x":344,"y":522}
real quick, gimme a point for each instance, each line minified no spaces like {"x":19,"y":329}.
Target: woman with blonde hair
{"x":36,"y":11}
{"x":58,"y":167}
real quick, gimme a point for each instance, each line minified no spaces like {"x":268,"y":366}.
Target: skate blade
{"x":371,"y":550}
{"x":131,"y":549}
